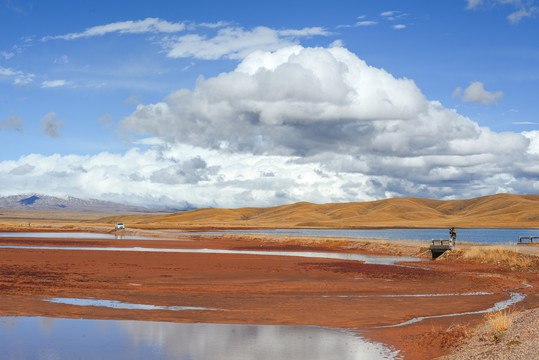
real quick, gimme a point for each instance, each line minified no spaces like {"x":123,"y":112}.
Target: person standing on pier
{"x":452,"y":236}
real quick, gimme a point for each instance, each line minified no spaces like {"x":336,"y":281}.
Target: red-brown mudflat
{"x":257,"y":289}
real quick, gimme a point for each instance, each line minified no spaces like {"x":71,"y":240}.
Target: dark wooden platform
{"x":530,"y":238}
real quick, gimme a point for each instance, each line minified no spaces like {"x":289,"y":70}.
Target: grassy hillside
{"x":501,"y":210}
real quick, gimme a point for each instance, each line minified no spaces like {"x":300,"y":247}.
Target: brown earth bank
{"x":258,"y":289}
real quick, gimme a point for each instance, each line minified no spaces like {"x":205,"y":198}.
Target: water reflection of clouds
{"x":46,"y":324}
{"x":39,"y":338}
{"x":225,"y":341}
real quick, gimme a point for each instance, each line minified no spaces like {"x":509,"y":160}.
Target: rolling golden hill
{"x":495,"y":211}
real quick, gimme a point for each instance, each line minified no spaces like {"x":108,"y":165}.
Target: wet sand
{"x":257,"y":289}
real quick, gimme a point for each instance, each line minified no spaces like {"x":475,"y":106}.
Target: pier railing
{"x":530,"y":238}
{"x":441,"y":242}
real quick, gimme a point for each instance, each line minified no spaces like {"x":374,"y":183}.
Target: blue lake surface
{"x":57,"y":338}
{"x":478,"y":236}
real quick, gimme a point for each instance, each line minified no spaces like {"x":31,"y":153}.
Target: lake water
{"x":478,"y":236}
{"x":56,"y":338}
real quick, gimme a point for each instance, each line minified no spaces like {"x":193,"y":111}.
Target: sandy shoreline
{"x":264,"y":289}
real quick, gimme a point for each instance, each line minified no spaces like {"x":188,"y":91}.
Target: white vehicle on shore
{"x":119,"y":226}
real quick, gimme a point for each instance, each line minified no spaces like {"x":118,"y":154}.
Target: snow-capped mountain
{"x":46,"y":202}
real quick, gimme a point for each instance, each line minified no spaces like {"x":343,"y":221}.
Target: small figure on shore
{"x":452,"y":236}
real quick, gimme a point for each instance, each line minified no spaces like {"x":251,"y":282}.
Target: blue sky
{"x":255,"y":104}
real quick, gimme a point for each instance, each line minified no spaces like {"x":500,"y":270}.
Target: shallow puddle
{"x":502,"y":305}
{"x":114,"y":304}
{"x":52,"y":338}
{"x":368,"y":259}
{"x":408,"y":295}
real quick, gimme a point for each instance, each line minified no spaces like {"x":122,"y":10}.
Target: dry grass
{"x":502,"y":257}
{"x":496,"y":211}
{"x":375,"y":247}
{"x":500,"y":320}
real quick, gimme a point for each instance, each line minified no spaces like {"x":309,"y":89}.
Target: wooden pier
{"x":530,"y":238}
{"x":438,"y":247}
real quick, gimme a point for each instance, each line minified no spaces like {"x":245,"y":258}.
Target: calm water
{"x":113,"y":304}
{"x":478,"y":236}
{"x":368,"y":259}
{"x":52,"y":338}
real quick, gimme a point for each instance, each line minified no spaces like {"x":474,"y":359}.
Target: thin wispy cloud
{"x":393,"y":15}
{"x":106,"y":120}
{"x":474,"y":3}
{"x":148,"y":25}
{"x":64,"y":59}
{"x":366,"y":23}
{"x":7,"y":72}
{"x":521,"y":9}
{"x":19,"y":77}
{"x":517,"y":16}
{"x":54,"y":83}
{"x":236,"y":43}
{"x":229,"y":41}
{"x":7,"y":55}
{"x":388,"y":14}
{"x":360,"y":23}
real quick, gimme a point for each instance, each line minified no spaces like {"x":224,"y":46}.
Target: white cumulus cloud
{"x":329,"y":109}
{"x":179,"y":176}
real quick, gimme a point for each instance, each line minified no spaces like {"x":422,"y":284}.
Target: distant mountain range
{"x":495,"y":211}
{"x":45,"y":202}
